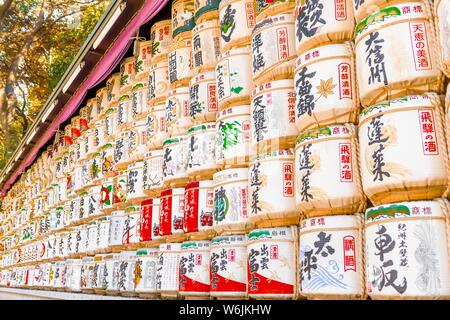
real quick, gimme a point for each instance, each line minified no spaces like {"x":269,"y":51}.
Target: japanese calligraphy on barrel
{"x":201,"y":140}
{"x":203,"y":97}
{"x":127,"y":74}
{"x":158,"y":82}
{"x":175,"y":161}
{"x":161,"y":37}
{"x":149,"y":221}
{"x":182,"y":18}
{"x":168,"y":269}
{"x":153,"y":172}
{"x":178,"y":118}
{"x":198,"y":209}
{"x":237,"y":20}
{"x":143,"y":58}
{"x":145,"y":271}
{"x":194,"y":269}
{"x":180,"y":62}
{"x":156,"y":127}
{"x":205,"y":45}
{"x":171,"y":214}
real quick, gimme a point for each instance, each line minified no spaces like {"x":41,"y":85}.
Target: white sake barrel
{"x":123,"y":110}
{"x":80,"y":240}
{"x":145,"y":271}
{"x":111,"y":275}
{"x":143,"y":59}
{"x":325,"y":87}
{"x":175,"y":161}
{"x":87,"y":273}
{"x":71,"y":241}
{"x":149,"y":221}
{"x":107,"y":156}
{"x":273,"y":48}
{"x":106,"y":195}
{"x":153,"y":172}
{"x":137,"y":140}
{"x":331,"y":257}
{"x":99,"y":273}
{"x":231,"y":208}
{"x":272,"y":263}
{"x":156,"y":127}
{"x":131,"y":233}
{"x":271,"y":189}
{"x":121,"y":155}
{"x":180,"y":61}
{"x":139,"y":99}
{"x":194,"y":270}
{"x":273,"y":116}
{"x":319,"y":22}
{"x":326,"y":176}
{"x":135,"y":182}
{"x":91,"y":105}
{"x":267,"y":8}
{"x":127,"y":74}
{"x":396,"y":54}
{"x":101,"y":97}
{"x":91,"y":239}
{"x":403,"y":154}
{"x":103,"y":229}
{"x":177,"y":119}
{"x":233,"y":134}
{"x":113,"y":89}
{"x":237,"y":20}
{"x":205,"y":45}
{"x":182,"y":18}
{"x":126,"y":272}
{"x":203,"y":97}
{"x":229,"y":266}
{"x":96,"y":168}
{"x":116,"y":226}
{"x":161,"y":37}
{"x":234,"y":77}
{"x":111,"y":130}
{"x":75,"y":274}
{"x":198,"y":208}
{"x":201,"y":163}
{"x":205,"y":10}
{"x":407,"y":250}
{"x":168,"y":269}
{"x":158,"y":82}
{"x":99,"y":134}
{"x":171,"y":213}
{"x":442,"y":16}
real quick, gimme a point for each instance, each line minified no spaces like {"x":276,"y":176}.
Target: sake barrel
{"x":156,"y":127}
{"x":325,"y":87}
{"x":106,"y":195}
{"x":231,"y":201}
{"x":84,"y":119}
{"x":76,"y":130}
{"x":80,"y":240}
{"x":201,"y":163}
{"x":407,"y":250}
{"x":139,"y":99}
{"x":182,"y":18}
{"x":273,"y":116}
{"x":271,"y":189}
{"x":205,"y":45}
{"x":116,"y":227}
{"x":229,"y":266}
{"x":127,"y":74}
{"x":153,"y":172}
{"x":120,"y":190}
{"x":332,"y":257}
{"x":237,"y":20}
{"x":171,"y":214}
{"x":135,"y":182}
{"x":91,"y":238}
{"x":123,"y":111}
{"x":90,"y":146}
{"x":75,"y":274}
{"x":318,"y":23}
{"x":233,"y":134}
{"x":99,"y":274}
{"x":442,"y":13}
{"x":96,"y":111}
{"x":168,"y":269}
{"x":126,"y":272}
{"x":203,"y":97}
{"x":81,"y":151}
{"x":68,"y":135}
{"x":107,"y":156}
{"x":101,"y":97}
{"x":121,"y":155}
{"x":96,"y":168}
{"x":158,"y":82}
{"x":404,"y":30}
{"x":178,"y":118}
{"x":161,"y":37}
{"x":143,"y":59}
{"x":103,"y":231}
{"x":403,"y":155}
{"x":234,"y":77}
{"x":111,"y":130}
{"x":130,"y":233}
{"x":272,"y":263}
{"x":175,"y":161}
{"x":266,"y":8}
{"x":180,"y":61}
{"x":149,"y":221}
{"x":137,"y":140}
{"x":273,"y":53}
{"x":198,"y":209}
{"x":87,"y":268}
{"x":326,"y":175}
{"x":145,"y":272}
{"x":113,"y":89}
{"x":111,"y":273}
{"x":194,"y":269}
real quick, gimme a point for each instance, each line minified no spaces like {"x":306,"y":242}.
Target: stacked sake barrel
{"x":403,"y":149}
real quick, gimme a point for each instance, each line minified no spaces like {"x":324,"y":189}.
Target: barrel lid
{"x":323,"y":132}
{"x":404,"y":210}
{"x":325,"y":51}
{"x":279,"y":233}
{"x":195,"y":245}
{"x":396,"y":104}
{"x":236,"y":239}
{"x":388,"y":15}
